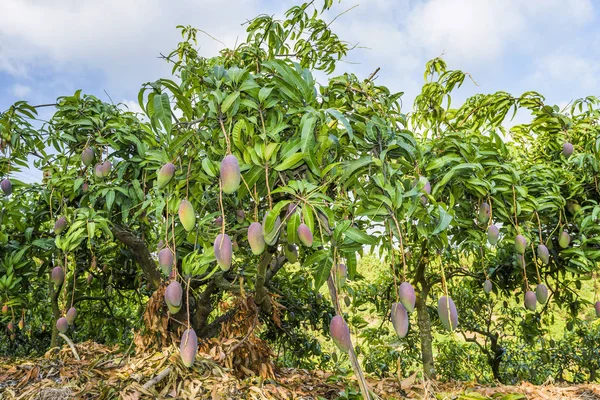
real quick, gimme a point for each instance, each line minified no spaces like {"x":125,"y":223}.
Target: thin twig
{"x":162,"y":375}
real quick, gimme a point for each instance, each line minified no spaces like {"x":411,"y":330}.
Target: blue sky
{"x":50,"y":48}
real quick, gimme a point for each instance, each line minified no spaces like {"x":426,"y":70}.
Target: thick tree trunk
{"x":425,"y":333}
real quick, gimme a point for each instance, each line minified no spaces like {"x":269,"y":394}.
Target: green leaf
{"x":290,"y":162}
{"x":341,"y":118}
{"x":110,"y":198}
{"x":307,"y":127}
{"x":322,"y":271}
{"x":263,"y":93}
{"x":229,"y":100}
{"x":444,"y":221}
{"x":359,"y":236}
{"x":162,"y":111}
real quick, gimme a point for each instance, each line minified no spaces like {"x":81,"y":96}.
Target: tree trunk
{"x":423,"y":315}
{"x":55,"y":311}
{"x":425,"y":333}
{"x":497,"y":352}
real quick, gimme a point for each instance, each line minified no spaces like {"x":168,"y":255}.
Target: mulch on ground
{"x":105,"y":373}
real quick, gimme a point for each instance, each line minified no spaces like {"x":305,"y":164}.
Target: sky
{"x":109,"y":48}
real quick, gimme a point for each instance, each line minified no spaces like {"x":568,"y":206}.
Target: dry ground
{"x":104,"y":373}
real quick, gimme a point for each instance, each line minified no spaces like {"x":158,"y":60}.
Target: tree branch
{"x":140,"y":253}
{"x":261,"y":298}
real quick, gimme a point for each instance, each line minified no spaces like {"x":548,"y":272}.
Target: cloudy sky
{"x":50,"y":48}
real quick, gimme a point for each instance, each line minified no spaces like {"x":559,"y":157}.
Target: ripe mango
{"x":256,"y":238}
{"x":340,"y":333}
{"x":6,"y":186}
{"x":223,"y":251}
{"x":447,"y":313}
{"x":62,"y":325}
{"x":58,"y":276}
{"x":71,"y":315}
{"x":406,"y":295}
{"x":305,"y":235}
{"x":165,"y":174}
{"x":399,"y":319}
{"x":188,"y":347}
{"x":87,"y":156}
{"x":173,"y":296}
{"x":230,"y":174}
{"x":165,"y":260}
{"x":530,"y":300}
{"x":187,"y":216}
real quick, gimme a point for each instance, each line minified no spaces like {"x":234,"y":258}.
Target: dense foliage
{"x":442,"y":198}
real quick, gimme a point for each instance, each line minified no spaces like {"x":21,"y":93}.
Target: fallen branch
{"x":70,"y":343}
{"x":162,"y":375}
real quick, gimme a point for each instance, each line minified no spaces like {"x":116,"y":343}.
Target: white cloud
{"x":481,"y":31}
{"x":118,"y":39}
{"x":114,"y":44}
{"x":564,"y":68}
{"x":20,"y":91}
{"x":130,"y":105}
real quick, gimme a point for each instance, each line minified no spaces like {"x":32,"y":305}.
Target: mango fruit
{"x":291,"y":253}
{"x":305,"y":235}
{"x":543,"y":254}
{"x":567,"y":149}
{"x":487,"y":286}
{"x":187,"y":216}
{"x":71,"y":315}
{"x":230,"y":174}
{"x":399,"y":319}
{"x":530,"y":300}
{"x":484,"y":213}
{"x":256,"y":238}
{"x":223,"y":251}
{"x":447,"y":313}
{"x":173,"y":297}
{"x":520,"y":244}
{"x":541,"y":293}
{"x":492,"y":234}
{"x":340,"y":333}
{"x":60,"y":225}
{"x":188,"y":347}
{"x":58,"y":276}
{"x":6,"y":186}
{"x":62,"y":325}
{"x":564,"y":239}
{"x":165,"y":174}
{"x":165,"y":260}
{"x":87,"y":156}
{"x":407,"y":297}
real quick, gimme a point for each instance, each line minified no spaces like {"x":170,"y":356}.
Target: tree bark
{"x":497,"y":352}
{"x":423,"y":319}
{"x":424,"y":323}
{"x":54,"y":294}
{"x":140,"y":253}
